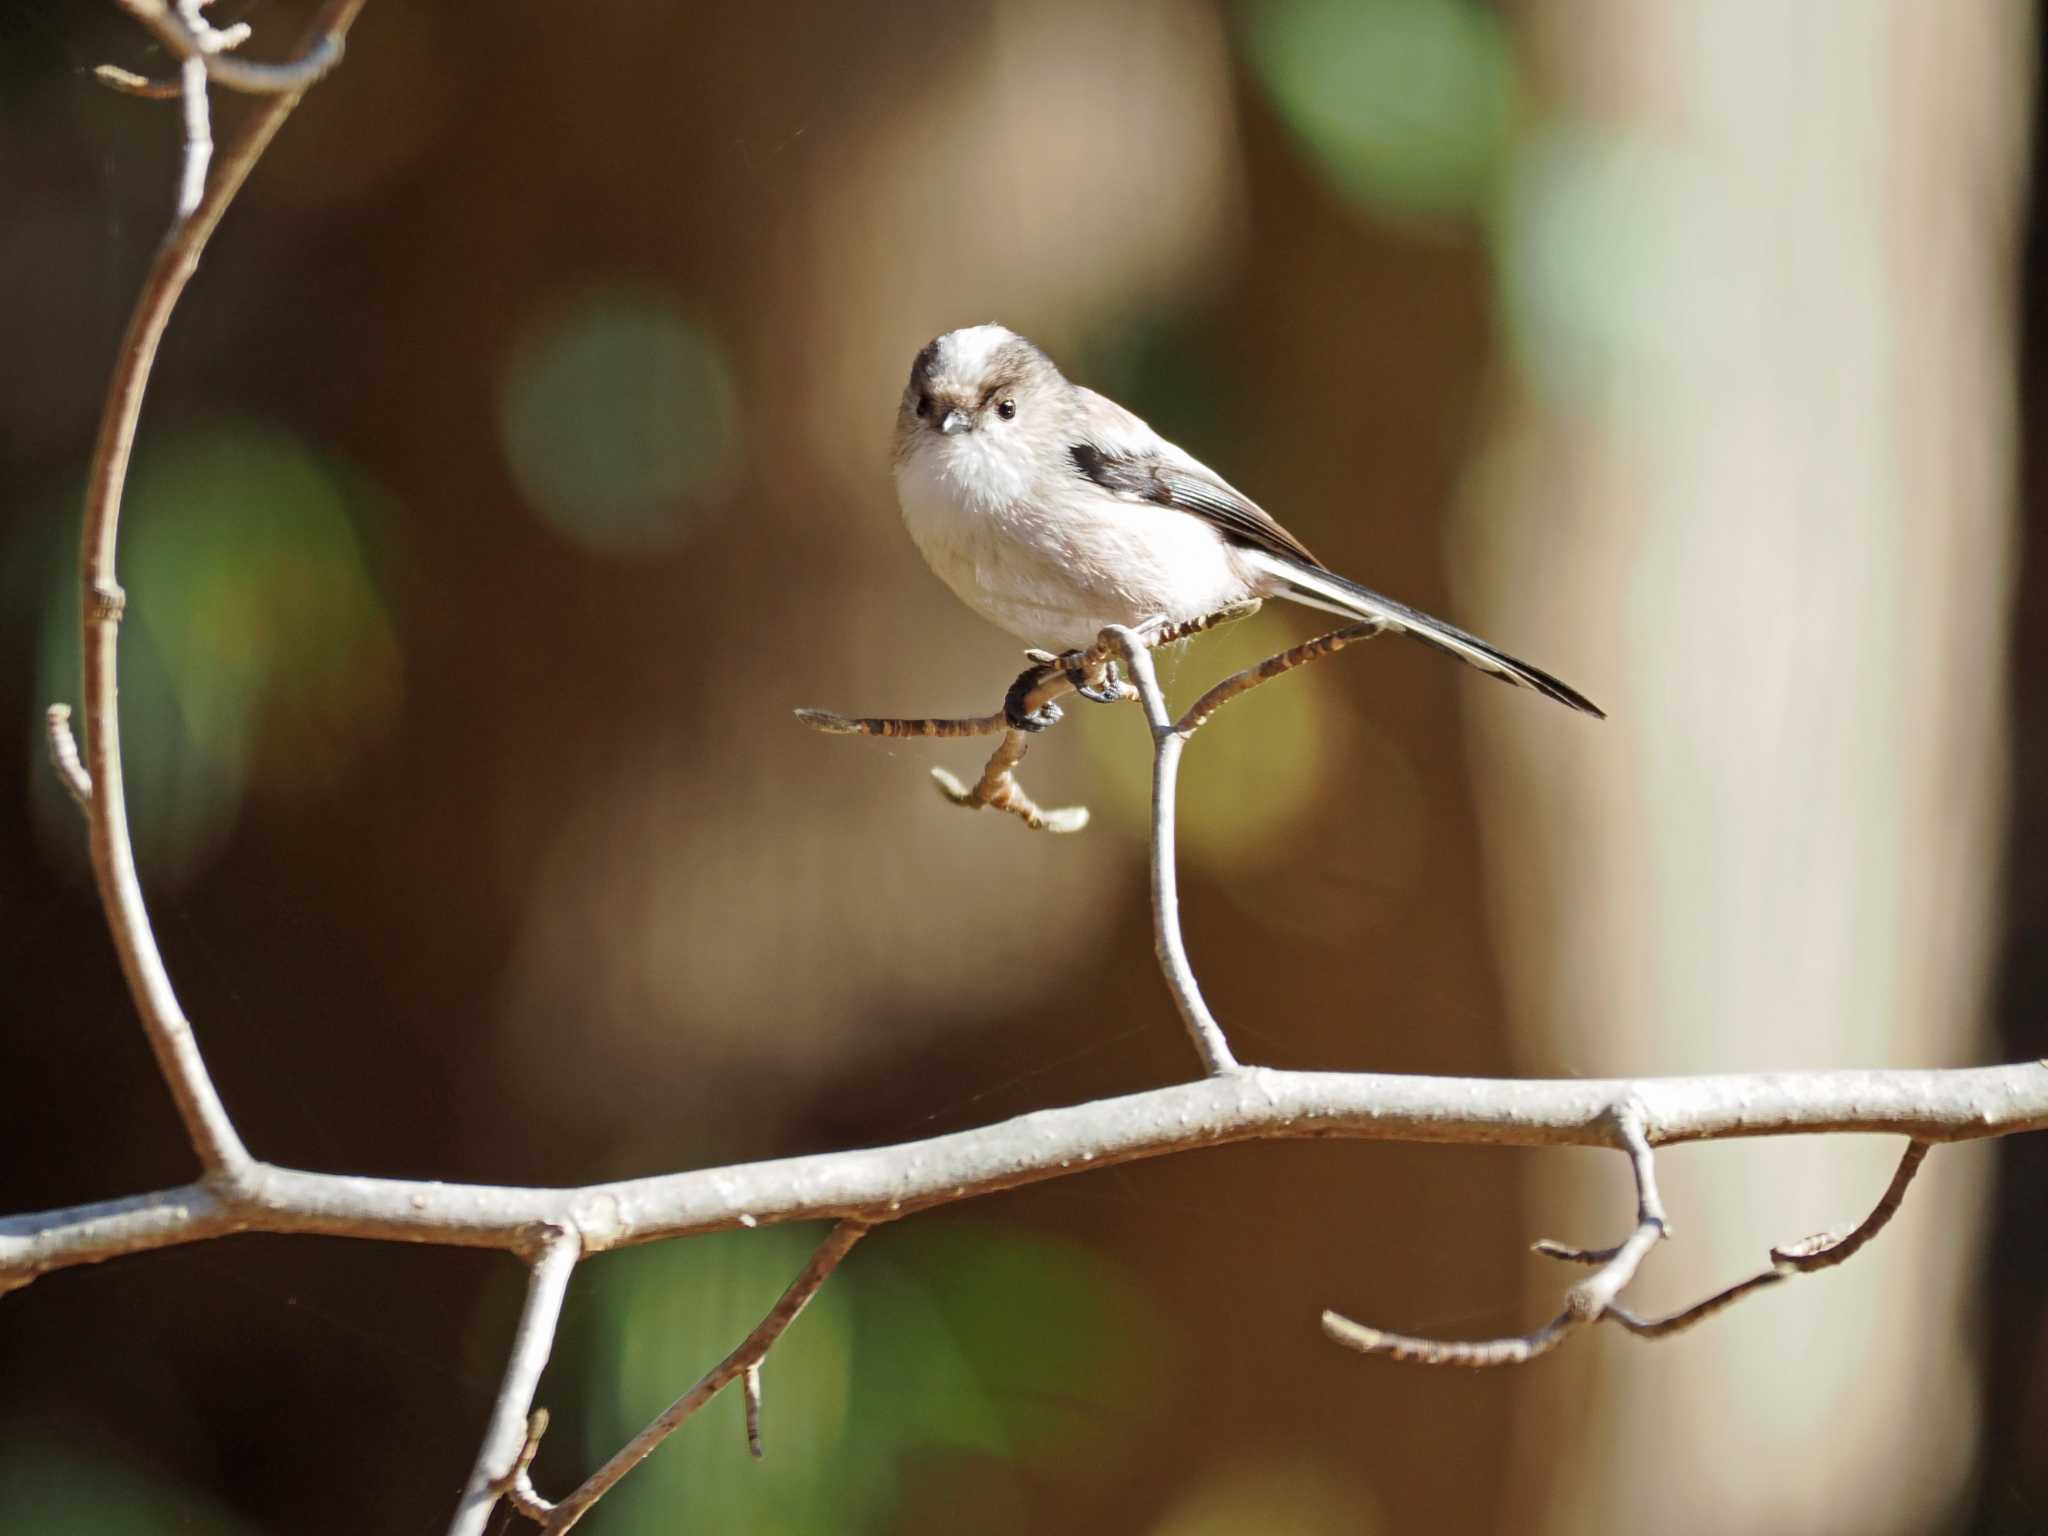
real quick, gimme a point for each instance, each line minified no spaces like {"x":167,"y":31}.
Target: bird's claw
{"x":1105,"y":687}
{"x":1020,"y":718}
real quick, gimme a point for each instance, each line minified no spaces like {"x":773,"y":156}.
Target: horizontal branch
{"x":878,"y":1184}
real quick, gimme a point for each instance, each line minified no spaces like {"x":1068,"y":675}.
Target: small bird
{"x":1054,"y":512}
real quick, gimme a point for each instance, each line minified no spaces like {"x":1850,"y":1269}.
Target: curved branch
{"x":1172,"y":950}
{"x":206,"y":1121}
{"x":1587,"y":1302}
{"x":1809,"y":1256}
{"x":186,"y":32}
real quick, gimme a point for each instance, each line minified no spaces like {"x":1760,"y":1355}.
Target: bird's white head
{"x":980,"y":411}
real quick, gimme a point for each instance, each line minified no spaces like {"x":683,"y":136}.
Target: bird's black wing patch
{"x":1160,"y":481}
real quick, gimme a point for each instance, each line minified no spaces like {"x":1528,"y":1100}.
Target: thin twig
{"x":188,"y":35}
{"x":832,"y":724}
{"x":1825,"y":1251}
{"x":1203,"y":1030}
{"x":519,"y":1491}
{"x":510,"y":1437}
{"x":128,"y":83}
{"x":1810,"y":1255}
{"x":1169,"y":737}
{"x":750,"y":1385}
{"x":1039,"y":688}
{"x":1587,"y":1302}
{"x":745,"y":1357}
{"x":206,"y":1121}
{"x":1051,"y":678}
{"x":998,"y":789}
{"x":64,"y":756}
{"x":198,"y":137}
{"x":1241,"y":683}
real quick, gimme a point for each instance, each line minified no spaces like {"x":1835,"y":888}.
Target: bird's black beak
{"x":955,"y":421}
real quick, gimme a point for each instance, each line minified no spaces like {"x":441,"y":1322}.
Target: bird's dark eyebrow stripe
{"x":927,"y":360}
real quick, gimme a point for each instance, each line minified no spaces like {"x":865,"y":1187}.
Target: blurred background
{"x":519,"y":459}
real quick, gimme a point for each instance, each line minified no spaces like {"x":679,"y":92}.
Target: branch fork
{"x":1032,"y":705}
{"x":1596,"y":1298}
{"x":182,"y":27}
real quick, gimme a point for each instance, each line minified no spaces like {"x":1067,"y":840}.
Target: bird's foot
{"x":1017,"y":711}
{"x":1104,"y":684}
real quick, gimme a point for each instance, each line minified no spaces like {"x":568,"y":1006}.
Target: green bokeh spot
{"x":258,"y":648}
{"x":1613,"y":266}
{"x":985,"y":1342}
{"x":1405,"y":105}
{"x":617,"y":418}
{"x":48,"y":1486}
{"x":1253,"y":772}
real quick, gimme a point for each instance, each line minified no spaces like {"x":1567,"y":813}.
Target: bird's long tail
{"x":1318,"y":588}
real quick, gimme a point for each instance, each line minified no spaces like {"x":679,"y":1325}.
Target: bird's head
{"x":982,"y":399}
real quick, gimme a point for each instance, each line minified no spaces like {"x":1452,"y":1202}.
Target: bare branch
{"x":198,"y":137}
{"x":750,"y":1382}
{"x":519,"y":1491}
{"x":831,"y":724}
{"x":881,"y":1183}
{"x":185,"y":30}
{"x":1205,"y":707}
{"x":1034,"y":698}
{"x":128,"y":83}
{"x":1587,"y":1302}
{"x":1823,"y":1251}
{"x":1167,"y":943}
{"x":999,"y":790}
{"x":745,"y":1360}
{"x":206,"y":1121}
{"x":512,"y":1437}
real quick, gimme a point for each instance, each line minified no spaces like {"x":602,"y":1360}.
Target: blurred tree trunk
{"x":1759,"y":270}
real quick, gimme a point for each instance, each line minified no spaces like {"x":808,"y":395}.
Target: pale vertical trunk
{"x":1754,"y":493}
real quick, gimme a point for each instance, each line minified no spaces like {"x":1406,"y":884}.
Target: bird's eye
{"x":1006,"y":409}
{"x":924,"y":405}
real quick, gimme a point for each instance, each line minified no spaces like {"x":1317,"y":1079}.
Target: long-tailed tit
{"x":1054,"y":512}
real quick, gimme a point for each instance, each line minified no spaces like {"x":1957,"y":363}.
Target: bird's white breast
{"x":1054,"y":558}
